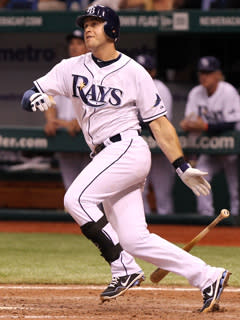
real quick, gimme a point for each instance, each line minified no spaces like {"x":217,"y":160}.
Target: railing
{"x":34,"y":139}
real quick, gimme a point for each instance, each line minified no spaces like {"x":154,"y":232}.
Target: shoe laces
{"x":114,"y":282}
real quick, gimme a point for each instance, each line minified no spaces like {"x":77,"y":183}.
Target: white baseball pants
{"x":213,"y":164}
{"x":115,"y":177}
{"x":161,"y":177}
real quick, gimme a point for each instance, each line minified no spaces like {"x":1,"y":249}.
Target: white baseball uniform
{"x":161,"y":175}
{"x":222,"y":106}
{"x":106,"y":102}
{"x":70,"y":163}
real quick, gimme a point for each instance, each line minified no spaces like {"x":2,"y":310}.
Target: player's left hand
{"x":40,"y":101}
{"x":71,"y":126}
{"x":194,"y":179}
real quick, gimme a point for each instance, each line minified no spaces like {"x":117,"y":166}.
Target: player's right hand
{"x":50,"y":128}
{"x":40,"y":101}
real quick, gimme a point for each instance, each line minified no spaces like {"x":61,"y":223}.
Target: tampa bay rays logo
{"x":95,"y":95}
{"x":158,"y":100}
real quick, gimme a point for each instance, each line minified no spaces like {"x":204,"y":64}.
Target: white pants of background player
{"x":115,"y":177}
{"x":213,"y":164}
{"x":70,"y":164}
{"x":161,"y":177}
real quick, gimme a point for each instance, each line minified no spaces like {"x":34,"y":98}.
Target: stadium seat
{"x":23,"y":4}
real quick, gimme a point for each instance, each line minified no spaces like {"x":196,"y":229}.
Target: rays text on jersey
{"x":95,"y":95}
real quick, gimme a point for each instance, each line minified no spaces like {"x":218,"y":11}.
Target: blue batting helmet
{"x":146,"y":60}
{"x":208,"y":64}
{"x":112,"y":22}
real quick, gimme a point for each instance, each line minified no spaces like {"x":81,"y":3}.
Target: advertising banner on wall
{"x":24,"y":58}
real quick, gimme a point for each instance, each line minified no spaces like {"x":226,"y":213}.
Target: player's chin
{"x":89,"y":42}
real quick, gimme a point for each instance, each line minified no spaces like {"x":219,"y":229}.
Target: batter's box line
{"x":92,"y":287}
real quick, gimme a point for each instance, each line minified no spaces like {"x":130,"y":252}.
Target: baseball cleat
{"x":119,"y":285}
{"x":211,"y":294}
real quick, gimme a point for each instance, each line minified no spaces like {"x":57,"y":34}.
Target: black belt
{"x":115,"y":138}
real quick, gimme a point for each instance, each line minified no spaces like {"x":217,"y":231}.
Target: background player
{"x":161,"y":175}
{"x":108,"y":89}
{"x":63,"y":116}
{"x":214,"y":107}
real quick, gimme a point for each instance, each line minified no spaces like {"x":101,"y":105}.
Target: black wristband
{"x":178,"y":162}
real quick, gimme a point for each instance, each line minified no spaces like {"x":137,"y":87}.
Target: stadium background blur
{"x":178,"y":38}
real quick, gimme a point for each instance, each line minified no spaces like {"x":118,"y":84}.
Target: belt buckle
{"x":99,"y":148}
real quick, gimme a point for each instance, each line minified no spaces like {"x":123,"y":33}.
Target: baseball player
{"x":107,"y":90}
{"x":161,"y":175}
{"x":214,"y":107}
{"x":62,"y":115}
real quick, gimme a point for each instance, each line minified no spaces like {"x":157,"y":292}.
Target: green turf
{"x":68,"y":259}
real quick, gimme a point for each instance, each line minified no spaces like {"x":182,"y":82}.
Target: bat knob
{"x":225,"y":213}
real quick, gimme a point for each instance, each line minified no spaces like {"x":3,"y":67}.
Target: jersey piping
{"x":154,"y":117}
{"x":115,"y":70}
{"x":89,"y":125}
{"x":79,"y":198}
{"x":88,"y":68}
{"x":38,"y":87}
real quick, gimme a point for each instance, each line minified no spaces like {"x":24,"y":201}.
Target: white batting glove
{"x":193,"y":178}
{"x":40,"y":101}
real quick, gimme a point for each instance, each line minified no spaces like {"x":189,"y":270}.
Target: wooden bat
{"x":159,"y":273}
{"x":53,"y":102}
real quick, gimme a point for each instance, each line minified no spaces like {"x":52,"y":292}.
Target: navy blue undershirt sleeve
{"x":25,"y":103}
{"x":221,"y":127}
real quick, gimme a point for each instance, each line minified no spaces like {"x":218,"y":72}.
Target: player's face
{"x":209,"y":80}
{"x":94,"y":34}
{"x":76,"y":47}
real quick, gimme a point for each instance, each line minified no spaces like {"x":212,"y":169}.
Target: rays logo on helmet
{"x":91,"y":10}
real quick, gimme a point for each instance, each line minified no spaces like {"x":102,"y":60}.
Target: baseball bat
{"x":159,"y":273}
{"x":53,"y":102}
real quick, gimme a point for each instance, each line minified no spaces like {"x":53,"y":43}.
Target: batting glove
{"x":193,"y":178}
{"x":40,"y":101}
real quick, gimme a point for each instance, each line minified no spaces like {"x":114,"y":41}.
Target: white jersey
{"x":222,"y":106}
{"x":106,"y":100}
{"x":166,"y":95}
{"x":64,"y":108}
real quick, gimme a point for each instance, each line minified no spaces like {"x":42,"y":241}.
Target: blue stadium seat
{"x":23,"y":4}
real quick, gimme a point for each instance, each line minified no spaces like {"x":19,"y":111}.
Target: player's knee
{"x":133,"y":241}
{"x":129,"y":244}
{"x":71,"y":202}
{"x":96,"y":232}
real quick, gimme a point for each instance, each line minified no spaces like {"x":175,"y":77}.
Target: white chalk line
{"x":92,"y":287}
{"x":38,"y":317}
{"x":231,"y":317}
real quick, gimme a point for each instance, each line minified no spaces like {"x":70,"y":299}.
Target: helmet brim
{"x":81,"y":19}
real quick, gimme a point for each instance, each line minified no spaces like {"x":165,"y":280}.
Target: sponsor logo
{"x":28,"y":53}
{"x":23,"y":143}
{"x":124,"y":284}
{"x":205,"y":142}
{"x":198,"y":143}
{"x":180,"y":21}
{"x":17,"y":21}
{"x":210,"y":293}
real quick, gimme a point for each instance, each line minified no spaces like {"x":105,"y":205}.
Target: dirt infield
{"x":82,"y":303}
{"x":220,"y":235}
